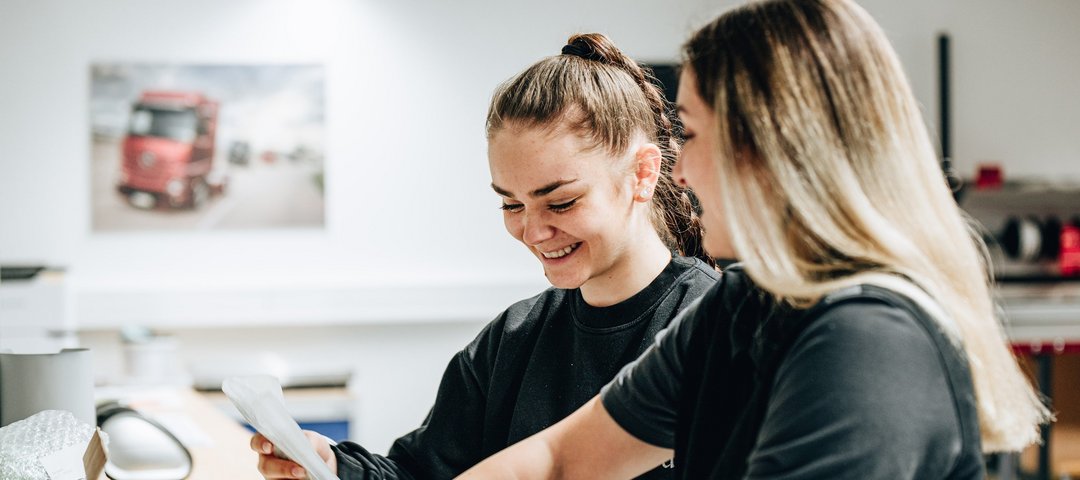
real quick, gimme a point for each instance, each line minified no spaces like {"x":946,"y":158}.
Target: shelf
{"x":306,"y":305}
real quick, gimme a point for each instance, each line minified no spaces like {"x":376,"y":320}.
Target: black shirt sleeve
{"x":355,"y":462}
{"x":861,"y":394}
{"x":643,"y":398}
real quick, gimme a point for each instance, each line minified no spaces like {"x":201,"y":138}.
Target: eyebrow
{"x":546,"y":189}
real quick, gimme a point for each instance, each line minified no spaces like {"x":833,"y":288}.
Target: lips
{"x":559,"y":253}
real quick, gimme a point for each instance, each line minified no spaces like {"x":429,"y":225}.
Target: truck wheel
{"x":200,"y":193}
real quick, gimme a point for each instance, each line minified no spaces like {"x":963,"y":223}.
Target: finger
{"x":273,"y":467}
{"x":260,"y":444}
{"x":321,"y":444}
{"x":256,"y":442}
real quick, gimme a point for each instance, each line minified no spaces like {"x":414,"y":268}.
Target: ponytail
{"x":591,"y":75}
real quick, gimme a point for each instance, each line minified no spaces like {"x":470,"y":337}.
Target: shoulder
{"x":693,"y":269}
{"x":691,"y":278}
{"x":518,"y":321}
{"x":871,"y":322}
{"x":724,"y":315}
{"x":868,"y":375}
{"x":733,"y":287}
{"x":733,"y":294}
{"x":860,"y":341}
{"x":863,"y":321}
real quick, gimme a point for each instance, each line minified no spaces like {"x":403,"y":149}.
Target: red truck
{"x":168,"y":152}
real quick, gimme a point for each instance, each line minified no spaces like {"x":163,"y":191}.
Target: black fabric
{"x":862,"y":385}
{"x":535,"y":364}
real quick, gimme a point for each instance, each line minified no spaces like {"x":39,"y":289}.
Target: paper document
{"x":260,"y":400}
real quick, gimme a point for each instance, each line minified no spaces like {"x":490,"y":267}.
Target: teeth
{"x":560,"y":253}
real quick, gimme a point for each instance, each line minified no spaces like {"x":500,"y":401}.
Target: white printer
{"x":33,"y":310}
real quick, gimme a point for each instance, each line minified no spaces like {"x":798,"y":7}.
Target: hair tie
{"x":587,"y":52}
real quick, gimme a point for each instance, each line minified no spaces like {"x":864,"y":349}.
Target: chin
{"x":719,"y":250}
{"x":564,"y":282}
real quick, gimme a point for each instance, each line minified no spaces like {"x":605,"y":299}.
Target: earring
{"x":645,"y":193}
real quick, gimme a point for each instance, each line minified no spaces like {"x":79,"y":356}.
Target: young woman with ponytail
{"x":581,"y":151}
{"x":857,"y":339}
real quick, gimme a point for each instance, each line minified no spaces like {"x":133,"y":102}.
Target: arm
{"x":587,"y":444}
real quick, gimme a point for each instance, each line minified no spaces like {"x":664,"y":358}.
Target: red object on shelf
{"x":1069,"y":260}
{"x":1060,"y":347}
{"x":989,"y":176}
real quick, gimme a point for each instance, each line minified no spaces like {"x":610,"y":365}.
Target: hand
{"x":272,"y":467}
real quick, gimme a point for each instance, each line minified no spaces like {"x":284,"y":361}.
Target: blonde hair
{"x":828,"y":178}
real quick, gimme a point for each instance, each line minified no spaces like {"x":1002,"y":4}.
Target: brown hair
{"x":608,"y":98}
{"x":827,"y":178}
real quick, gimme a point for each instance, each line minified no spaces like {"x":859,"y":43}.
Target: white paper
{"x":66,"y":464}
{"x":260,"y":400}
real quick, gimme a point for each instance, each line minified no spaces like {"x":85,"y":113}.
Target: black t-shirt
{"x":532,"y":366}
{"x":862,"y":385}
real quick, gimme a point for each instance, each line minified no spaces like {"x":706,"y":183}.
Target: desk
{"x":327,"y":410}
{"x":1058,"y":454}
{"x":230,"y":457}
{"x":223,"y":451}
{"x":1043,"y":324}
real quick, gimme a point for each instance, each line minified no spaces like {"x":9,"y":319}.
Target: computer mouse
{"x":140,"y":448}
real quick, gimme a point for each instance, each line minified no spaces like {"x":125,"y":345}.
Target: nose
{"x":536,"y":229}
{"x":677,"y":173}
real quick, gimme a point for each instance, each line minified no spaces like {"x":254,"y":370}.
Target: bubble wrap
{"x":23,"y":442}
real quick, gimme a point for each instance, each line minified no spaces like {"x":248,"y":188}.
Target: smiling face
{"x":697,"y":165}
{"x":576,"y":208}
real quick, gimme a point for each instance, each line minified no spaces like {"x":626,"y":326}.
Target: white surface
{"x":408,"y":83}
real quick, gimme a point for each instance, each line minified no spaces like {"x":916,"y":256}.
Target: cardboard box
{"x":78,"y":462}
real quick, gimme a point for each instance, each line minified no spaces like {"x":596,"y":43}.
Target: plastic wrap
{"x":22,"y":443}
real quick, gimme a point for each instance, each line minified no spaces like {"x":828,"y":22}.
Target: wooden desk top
{"x":222,"y":448}
{"x":229,"y":457}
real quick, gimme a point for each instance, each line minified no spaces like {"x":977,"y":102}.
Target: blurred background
{"x":407,"y":257}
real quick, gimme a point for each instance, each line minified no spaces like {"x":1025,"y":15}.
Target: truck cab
{"x":168,"y":151}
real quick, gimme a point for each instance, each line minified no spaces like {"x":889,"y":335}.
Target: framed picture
{"x":206,"y":147}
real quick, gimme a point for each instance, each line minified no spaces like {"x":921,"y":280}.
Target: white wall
{"x":408,"y":83}
{"x":1014,"y":71}
{"x":408,"y":202}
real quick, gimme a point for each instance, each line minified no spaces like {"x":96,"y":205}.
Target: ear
{"x":647,"y":160}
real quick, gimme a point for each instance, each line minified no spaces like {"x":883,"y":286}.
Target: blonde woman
{"x":858,"y":338}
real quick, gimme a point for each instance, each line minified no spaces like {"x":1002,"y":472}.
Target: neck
{"x":641,"y":265}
